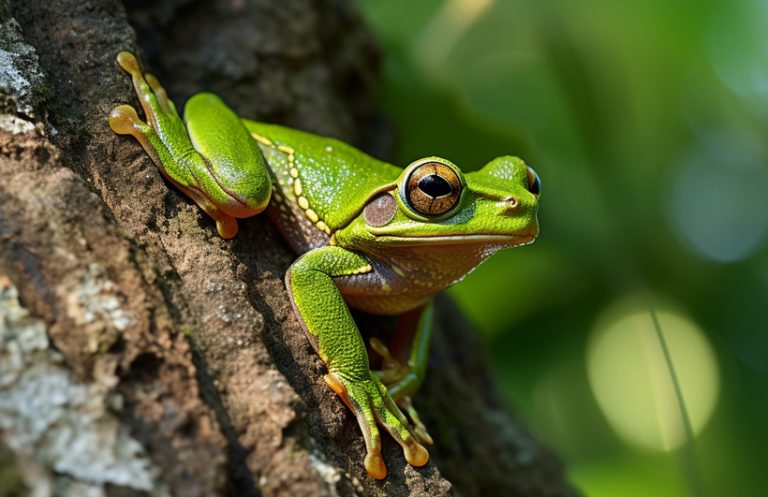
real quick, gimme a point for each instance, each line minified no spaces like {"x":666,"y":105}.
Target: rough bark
{"x":140,"y":354}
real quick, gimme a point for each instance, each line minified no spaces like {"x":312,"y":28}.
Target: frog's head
{"x":434,"y":204}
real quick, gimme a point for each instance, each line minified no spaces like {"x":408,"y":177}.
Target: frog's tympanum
{"x":368,"y":235}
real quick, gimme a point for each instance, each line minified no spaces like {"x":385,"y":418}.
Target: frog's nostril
{"x":509,"y":206}
{"x":534,"y":183}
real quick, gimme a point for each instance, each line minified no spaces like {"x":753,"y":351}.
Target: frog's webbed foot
{"x":154,"y":101}
{"x":401,"y":381}
{"x":226,"y":176}
{"x":370,"y":402}
{"x":164,"y":138}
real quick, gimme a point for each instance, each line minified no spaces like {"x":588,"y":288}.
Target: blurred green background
{"x":648,"y":124}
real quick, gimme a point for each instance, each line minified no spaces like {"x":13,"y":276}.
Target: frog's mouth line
{"x":523,"y":239}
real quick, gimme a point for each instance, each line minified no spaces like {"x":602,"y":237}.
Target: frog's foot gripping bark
{"x":227,"y":179}
{"x":371,"y":402}
{"x":402,"y":381}
{"x":325,"y":317}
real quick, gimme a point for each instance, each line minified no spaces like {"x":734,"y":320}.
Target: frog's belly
{"x":386,"y":305}
{"x":391,"y":289}
{"x":383,"y":292}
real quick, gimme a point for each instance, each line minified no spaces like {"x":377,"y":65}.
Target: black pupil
{"x":535,"y":185}
{"x":435,"y":186}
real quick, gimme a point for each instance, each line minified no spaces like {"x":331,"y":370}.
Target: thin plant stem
{"x":688,"y":454}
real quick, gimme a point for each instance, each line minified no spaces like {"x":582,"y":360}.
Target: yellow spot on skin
{"x":398,"y":271}
{"x":324,"y":227}
{"x":332,"y":241}
{"x":312,"y":215}
{"x":386,"y":288}
{"x":277,"y":197}
{"x":303,"y":203}
{"x":263,"y":140}
{"x":294,"y":172}
{"x":286,"y":149}
{"x":365,"y":269}
{"x":297,"y":187}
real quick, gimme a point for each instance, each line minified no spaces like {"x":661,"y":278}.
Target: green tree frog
{"x":369,"y":235}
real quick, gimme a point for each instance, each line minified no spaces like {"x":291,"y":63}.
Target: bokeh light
{"x":739,"y":51}
{"x":718,"y":197}
{"x":632,"y":380}
{"x":446,"y":29}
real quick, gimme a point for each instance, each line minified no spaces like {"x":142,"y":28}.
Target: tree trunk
{"x":140,"y":354}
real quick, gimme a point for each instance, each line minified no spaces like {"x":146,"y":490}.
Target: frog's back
{"x":320,"y":184}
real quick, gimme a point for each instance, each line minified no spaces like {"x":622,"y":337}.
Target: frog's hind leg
{"x":403,"y":380}
{"x":222,"y":169}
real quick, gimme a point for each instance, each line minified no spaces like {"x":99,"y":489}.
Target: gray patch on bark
{"x":65,"y":426}
{"x":21,"y":81}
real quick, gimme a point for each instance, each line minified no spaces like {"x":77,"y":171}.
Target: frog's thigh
{"x":239,"y":177}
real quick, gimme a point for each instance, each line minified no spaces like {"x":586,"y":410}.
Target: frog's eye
{"x":432,"y":188}
{"x":534,"y":183}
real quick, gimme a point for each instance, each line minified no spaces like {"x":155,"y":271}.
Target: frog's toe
{"x":162,"y":96}
{"x":154,"y":100}
{"x":394,"y":421}
{"x":419,"y":456}
{"x":143,"y":83}
{"x":422,"y":435}
{"x":415,"y":453}
{"x":357,"y":399}
{"x":374,"y":465}
{"x":125,"y":121}
{"x":391,"y":369}
{"x":129,"y":63}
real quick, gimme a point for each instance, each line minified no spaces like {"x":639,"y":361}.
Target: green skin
{"x":363,"y":242}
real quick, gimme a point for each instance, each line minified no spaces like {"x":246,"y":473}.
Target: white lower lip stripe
{"x":517,"y":239}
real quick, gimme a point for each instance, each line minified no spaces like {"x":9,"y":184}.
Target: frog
{"x":368,"y":235}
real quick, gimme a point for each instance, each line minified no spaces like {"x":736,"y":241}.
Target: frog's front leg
{"x":212,"y":159}
{"x":326,"y":318}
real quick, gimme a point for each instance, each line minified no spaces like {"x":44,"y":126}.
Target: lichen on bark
{"x":39,"y":395}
